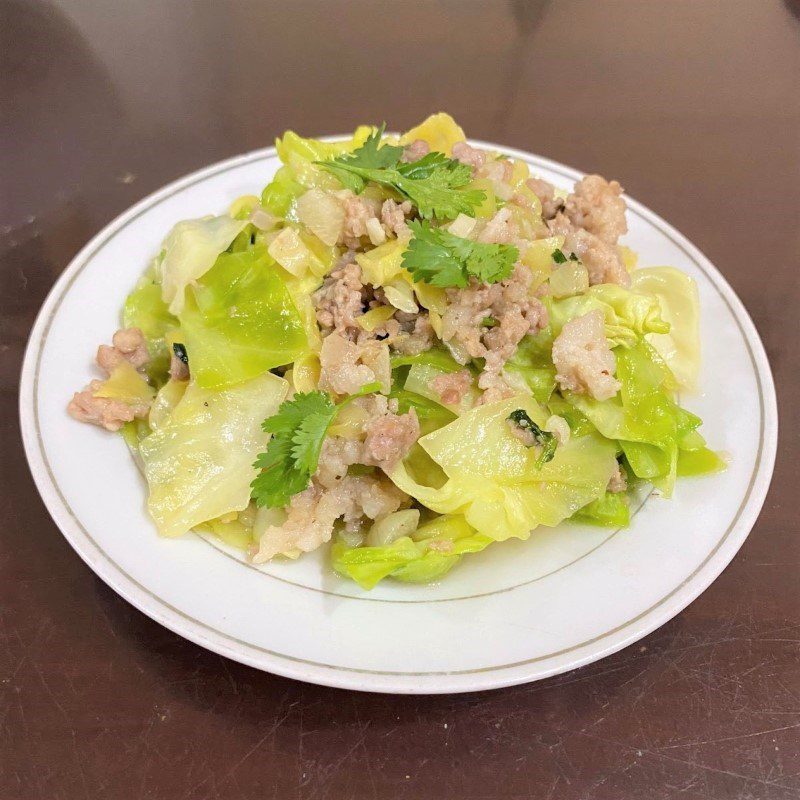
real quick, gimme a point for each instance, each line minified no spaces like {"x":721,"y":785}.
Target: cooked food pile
{"x":407,"y":347}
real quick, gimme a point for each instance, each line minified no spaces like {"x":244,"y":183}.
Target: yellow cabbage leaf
{"x":199,"y":462}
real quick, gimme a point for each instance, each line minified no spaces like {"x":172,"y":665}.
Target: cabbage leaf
{"x":240,"y":321}
{"x":680,"y":307}
{"x":410,"y":559}
{"x":628,"y":315}
{"x":189,"y":251}
{"x":651,"y":428}
{"x":199,"y":461}
{"x":493,"y":480}
{"x":440,"y":131}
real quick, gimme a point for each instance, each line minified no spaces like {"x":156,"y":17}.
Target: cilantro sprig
{"x":440,"y":258}
{"x":540,"y":438}
{"x":298,"y":430}
{"x":434,"y":183}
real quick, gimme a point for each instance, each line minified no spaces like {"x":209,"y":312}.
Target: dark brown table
{"x":694,"y":106}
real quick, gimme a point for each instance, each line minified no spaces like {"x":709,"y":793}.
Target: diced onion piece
{"x":559,"y":427}
{"x":375,"y":231}
{"x":289,"y":250}
{"x":538,"y":255}
{"x":400,"y":294}
{"x":375,"y":317}
{"x":305,"y":373}
{"x":350,"y":422}
{"x":462,"y":226}
{"x":390,"y":528}
{"x":434,"y":298}
{"x":351,"y":538}
{"x":322,"y":214}
{"x":569,"y":279}
{"x":262,"y":219}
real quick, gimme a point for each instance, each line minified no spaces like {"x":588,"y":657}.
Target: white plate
{"x":518,"y":612}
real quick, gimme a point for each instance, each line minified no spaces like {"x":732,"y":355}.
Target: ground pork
{"x":597,"y":206}
{"x":178,"y":369}
{"x":345,"y":366}
{"x":312,"y":513}
{"x":415,"y":334}
{"x":104,"y":411}
{"x":452,"y":387}
{"x":601,"y":259}
{"x":341,"y":298}
{"x":516,"y":313}
{"x":467,"y":154}
{"x":500,"y":229}
{"x":618,"y":481}
{"x":127,"y":344}
{"x":393,"y":216}
{"x":524,"y":435}
{"x":358,"y":210}
{"x":389,"y":438}
{"x":583,"y":360}
{"x":416,"y":150}
{"x":545,"y":191}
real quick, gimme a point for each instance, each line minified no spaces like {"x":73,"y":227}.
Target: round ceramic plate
{"x":515,"y":613}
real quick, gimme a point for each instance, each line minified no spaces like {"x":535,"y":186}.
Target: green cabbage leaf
{"x":653,"y":431}
{"x":189,"y":251}
{"x":420,"y":558}
{"x":240,"y":321}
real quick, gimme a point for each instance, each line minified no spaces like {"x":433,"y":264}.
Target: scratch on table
{"x":731,"y":738}
{"x":49,"y":691}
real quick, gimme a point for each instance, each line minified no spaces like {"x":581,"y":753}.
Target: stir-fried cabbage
{"x":628,"y":315}
{"x":440,"y":131}
{"x":680,"y":308}
{"x":189,"y":251}
{"x":531,"y":367}
{"x":492,"y":478}
{"x":235,"y":298}
{"x":199,"y":462}
{"x":240,"y":321}
{"x":125,"y":384}
{"x":384,"y":263}
{"x":651,"y":428}
{"x":432,"y":552}
{"x":611,"y":510}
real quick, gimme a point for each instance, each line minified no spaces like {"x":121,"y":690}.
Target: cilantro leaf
{"x":559,"y":257}
{"x":438,"y":167}
{"x":298,"y":430}
{"x":440,"y":258}
{"x":373,"y":155}
{"x":433,"y":183}
{"x":369,"y":156}
{"x":293,"y":450}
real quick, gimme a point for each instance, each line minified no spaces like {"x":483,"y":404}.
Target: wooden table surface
{"x":693,"y":105}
